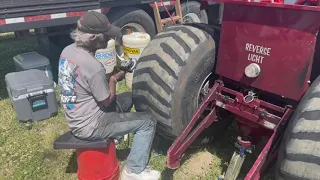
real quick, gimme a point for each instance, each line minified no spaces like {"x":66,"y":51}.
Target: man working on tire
{"x":89,"y":99}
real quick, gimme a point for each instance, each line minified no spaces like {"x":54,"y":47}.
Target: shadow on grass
{"x":122,"y":154}
{"x":72,"y":164}
{"x":167,"y":174}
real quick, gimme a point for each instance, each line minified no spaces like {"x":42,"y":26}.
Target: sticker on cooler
{"x":107,"y":59}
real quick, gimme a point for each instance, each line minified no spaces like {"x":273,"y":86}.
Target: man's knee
{"x":150,"y":122}
{"x":124,"y":101}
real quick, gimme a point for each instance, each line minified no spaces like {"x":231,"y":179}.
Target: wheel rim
{"x":191,"y":18}
{"x":133,"y":27}
{"x":204,"y":89}
{"x":202,"y":93}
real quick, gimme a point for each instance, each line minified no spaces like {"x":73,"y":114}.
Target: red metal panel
{"x":279,"y":38}
{"x":2,"y":21}
{"x":78,"y":13}
{"x":37,"y":18}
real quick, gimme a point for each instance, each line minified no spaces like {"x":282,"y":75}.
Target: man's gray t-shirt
{"x":83,"y":83}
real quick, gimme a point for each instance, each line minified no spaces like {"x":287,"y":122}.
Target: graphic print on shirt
{"x":67,"y":77}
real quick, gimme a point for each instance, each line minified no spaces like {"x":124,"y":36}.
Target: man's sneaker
{"x":147,"y":174}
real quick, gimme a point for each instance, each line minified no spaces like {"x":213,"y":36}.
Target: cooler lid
{"x":31,"y":60}
{"x":28,"y":81}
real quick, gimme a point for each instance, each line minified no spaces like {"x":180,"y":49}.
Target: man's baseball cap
{"x":95,"y":23}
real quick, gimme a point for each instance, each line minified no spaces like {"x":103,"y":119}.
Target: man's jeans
{"x":115,"y":124}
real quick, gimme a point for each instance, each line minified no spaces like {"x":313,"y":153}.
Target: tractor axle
{"x":249,"y":111}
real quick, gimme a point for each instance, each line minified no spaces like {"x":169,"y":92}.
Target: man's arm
{"x":101,"y":89}
{"x":112,"y":84}
{"x":104,"y":91}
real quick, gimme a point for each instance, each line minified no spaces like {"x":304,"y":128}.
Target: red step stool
{"x":97,"y":160}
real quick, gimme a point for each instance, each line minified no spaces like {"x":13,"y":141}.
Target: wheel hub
{"x":133,"y":27}
{"x":204,"y":89}
{"x":191,"y":18}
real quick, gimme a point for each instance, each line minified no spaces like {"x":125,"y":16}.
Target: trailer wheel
{"x":172,"y":70}
{"x":299,"y":153}
{"x":192,"y":13}
{"x":132,"y":18}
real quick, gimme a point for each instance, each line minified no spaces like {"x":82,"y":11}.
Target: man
{"x":89,"y":99}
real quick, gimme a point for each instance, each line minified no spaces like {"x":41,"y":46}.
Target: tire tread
{"x":162,"y":61}
{"x":299,"y":155}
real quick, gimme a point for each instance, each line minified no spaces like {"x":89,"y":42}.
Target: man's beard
{"x":102,"y":43}
{"x":93,"y":46}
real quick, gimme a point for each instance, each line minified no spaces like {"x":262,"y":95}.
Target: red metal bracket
{"x":243,"y":142}
{"x":260,"y":163}
{"x":182,"y":142}
{"x":251,"y":112}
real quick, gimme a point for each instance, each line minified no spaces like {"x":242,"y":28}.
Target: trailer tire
{"x":131,"y":15}
{"x":191,"y":8}
{"x":299,"y":154}
{"x":169,"y":73}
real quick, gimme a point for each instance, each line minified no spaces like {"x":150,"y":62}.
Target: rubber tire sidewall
{"x":120,"y":17}
{"x":291,"y":124}
{"x":194,"y":7}
{"x":200,"y":65}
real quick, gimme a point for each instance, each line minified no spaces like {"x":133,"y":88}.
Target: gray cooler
{"x":32,"y":95}
{"x":32,"y":60}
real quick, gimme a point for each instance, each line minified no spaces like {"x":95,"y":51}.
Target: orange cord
{"x":173,"y":21}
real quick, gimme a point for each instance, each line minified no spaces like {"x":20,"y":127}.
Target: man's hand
{"x":119,"y":76}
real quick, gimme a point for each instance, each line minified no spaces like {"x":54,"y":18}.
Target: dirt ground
{"x":196,"y":166}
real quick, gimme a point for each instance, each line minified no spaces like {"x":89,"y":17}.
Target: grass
{"x":26,"y":148}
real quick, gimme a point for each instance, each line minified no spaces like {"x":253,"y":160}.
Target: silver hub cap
{"x":133,"y":27}
{"x":191,"y":18}
{"x":204,"y":90}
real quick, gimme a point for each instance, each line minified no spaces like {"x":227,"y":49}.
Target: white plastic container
{"x":134,"y":44}
{"x":107,"y":56}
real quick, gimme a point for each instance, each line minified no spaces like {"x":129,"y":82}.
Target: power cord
{"x":173,"y":21}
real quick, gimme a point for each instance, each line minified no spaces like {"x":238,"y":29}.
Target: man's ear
{"x":93,"y":37}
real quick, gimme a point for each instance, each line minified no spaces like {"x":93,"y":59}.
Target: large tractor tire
{"x":170,"y":74}
{"x":299,"y":154}
{"x":137,"y":20}
{"x":191,"y":13}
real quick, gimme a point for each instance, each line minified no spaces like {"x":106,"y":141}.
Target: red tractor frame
{"x":270,"y":51}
